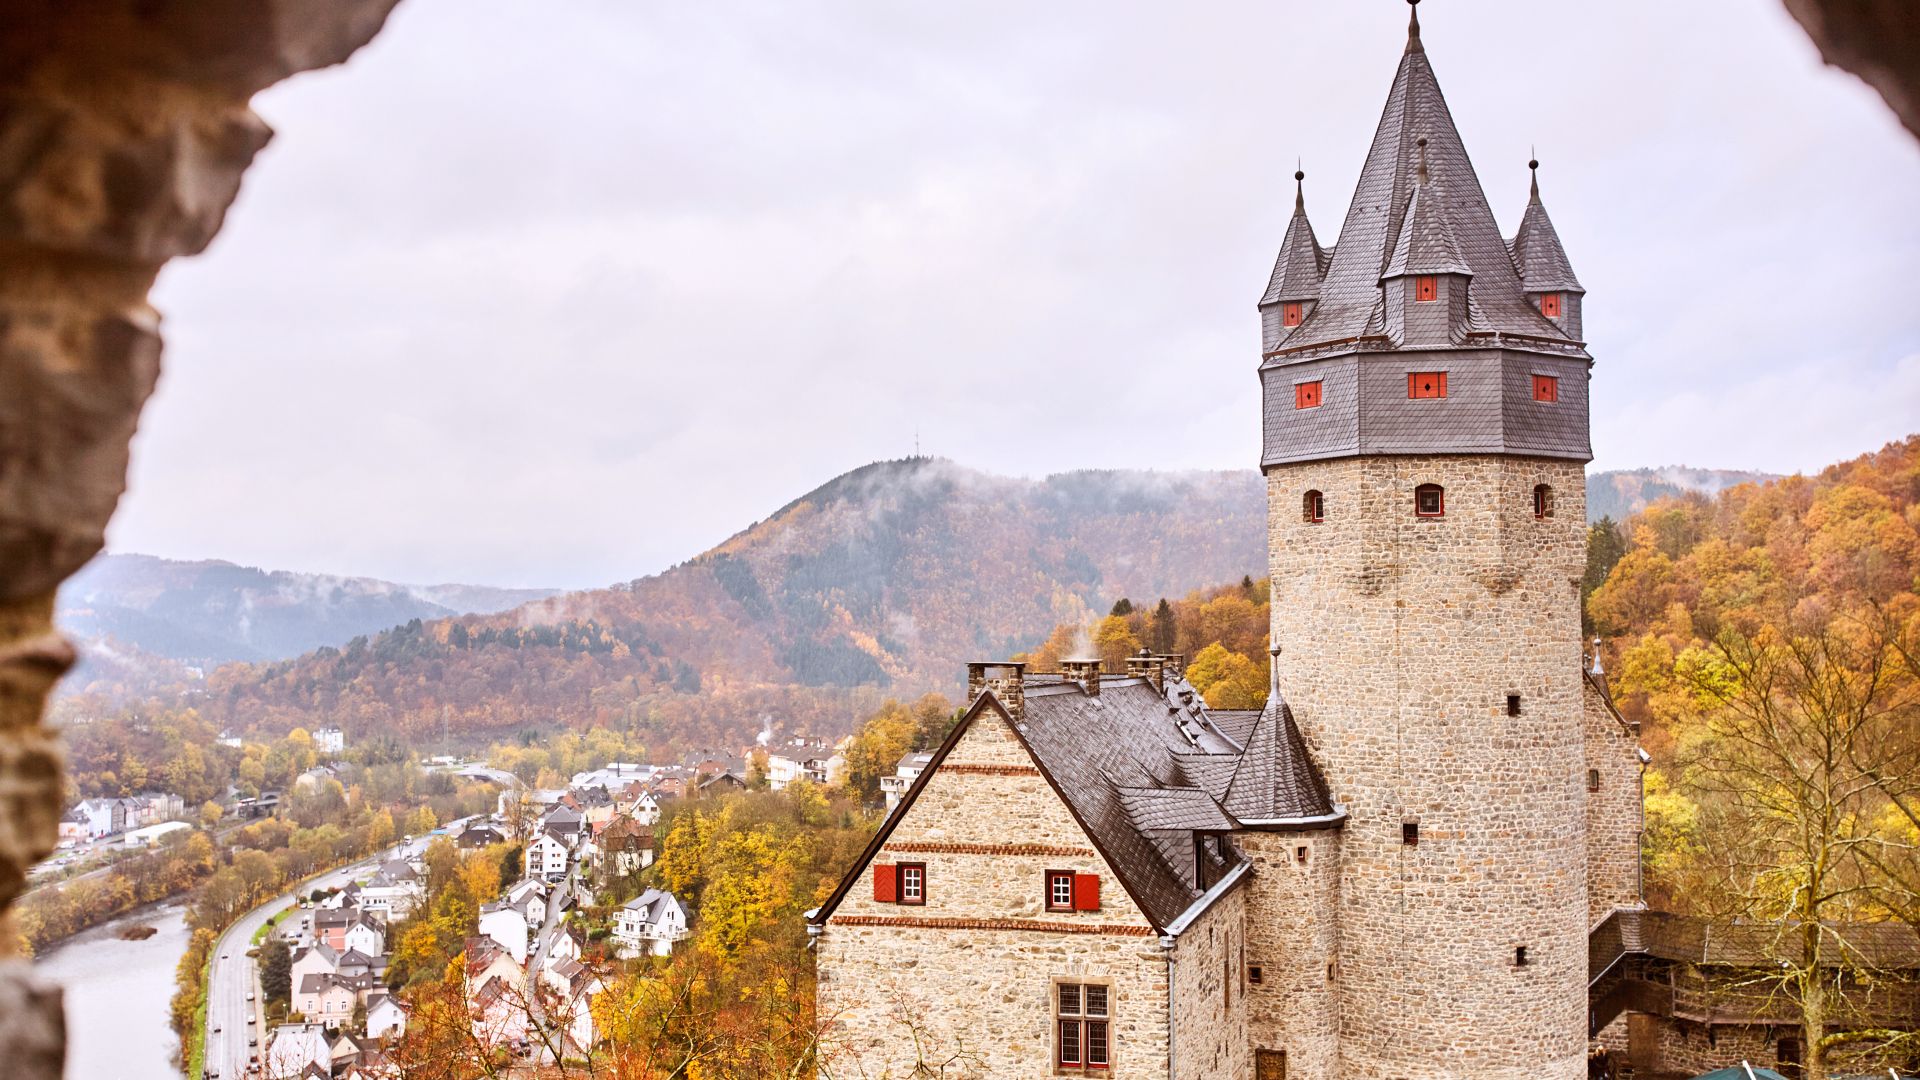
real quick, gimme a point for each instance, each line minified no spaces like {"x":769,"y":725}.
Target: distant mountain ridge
{"x":882,"y":581}
{"x":209,"y":612}
{"x":1622,"y":493}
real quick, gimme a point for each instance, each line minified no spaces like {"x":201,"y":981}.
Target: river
{"x":117,"y":994}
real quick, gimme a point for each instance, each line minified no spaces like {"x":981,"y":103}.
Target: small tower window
{"x":1550,"y":305}
{"x":1410,"y":833}
{"x":1292,"y":314}
{"x":1313,"y":508}
{"x":1429,"y":500}
{"x":1542,"y":501}
{"x":1300,"y":854}
{"x":1426,"y":288}
{"x":1426,"y":384}
{"x":1593,"y":779}
{"x":1520,"y":956}
{"x":1306,"y":395}
{"x":1546,"y":388}
{"x":1256,"y":974}
{"x":1513,"y":704}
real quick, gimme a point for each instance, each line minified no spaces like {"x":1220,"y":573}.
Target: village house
{"x":393,"y":891}
{"x":293,"y":1049}
{"x":905,"y":772}
{"x":625,"y":845}
{"x":329,"y":999}
{"x":506,"y":923}
{"x":386,"y":1016}
{"x":1391,"y":870}
{"x":649,"y":924}
{"x":480,"y":834}
{"x":547,"y":857}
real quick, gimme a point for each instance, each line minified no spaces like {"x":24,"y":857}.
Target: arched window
{"x":1313,"y":507}
{"x":1429,"y":500}
{"x":1542,"y":501}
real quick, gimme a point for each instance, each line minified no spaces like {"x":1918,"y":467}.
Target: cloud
{"x":562,"y":295}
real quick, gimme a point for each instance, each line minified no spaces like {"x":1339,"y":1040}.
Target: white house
{"x":329,"y":740}
{"x":385,"y":1016}
{"x":101,"y":817}
{"x":530,"y":896}
{"x":649,"y":924}
{"x":294,"y":1047}
{"x":151,"y":835}
{"x":366,"y":936}
{"x":905,"y":772}
{"x":506,"y":924}
{"x":547,"y":856}
{"x":319,"y":959}
{"x":393,"y":891}
{"x":328,"y":999}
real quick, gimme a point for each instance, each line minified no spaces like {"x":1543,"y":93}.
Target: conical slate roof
{"x":1302,"y":261}
{"x":1276,"y":779}
{"x":1350,"y":298}
{"x":1426,"y":244}
{"x":1537,"y":253}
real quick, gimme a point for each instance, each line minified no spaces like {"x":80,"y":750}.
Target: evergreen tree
{"x":276,"y":968}
{"x":1123,"y":606}
{"x":1161,"y":629}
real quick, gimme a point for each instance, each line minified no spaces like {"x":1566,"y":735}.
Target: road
{"x":231,"y":1017}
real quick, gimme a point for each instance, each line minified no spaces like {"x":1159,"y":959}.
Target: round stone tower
{"x":1425,"y":401}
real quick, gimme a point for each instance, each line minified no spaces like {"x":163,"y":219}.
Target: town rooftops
{"x":652,"y":905}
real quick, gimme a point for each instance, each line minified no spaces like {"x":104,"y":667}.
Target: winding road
{"x":234,"y":1032}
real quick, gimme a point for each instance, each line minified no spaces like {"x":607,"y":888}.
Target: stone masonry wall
{"x":972,"y":970}
{"x":1615,"y":808}
{"x":1293,"y":936}
{"x":1210,"y":993}
{"x":1402,"y":639}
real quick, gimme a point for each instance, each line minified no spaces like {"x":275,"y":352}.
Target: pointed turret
{"x":1542,"y":264}
{"x":1426,"y":280}
{"x":1276,"y":782}
{"x":1297,"y":272}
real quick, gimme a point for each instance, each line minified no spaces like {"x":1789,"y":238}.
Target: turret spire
{"x":1533,"y":166}
{"x":1413,"y":28}
{"x":1299,"y":188}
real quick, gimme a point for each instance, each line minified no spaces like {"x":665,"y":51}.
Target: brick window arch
{"x":1313,"y":507}
{"x":1429,"y":500}
{"x":1542,"y":501}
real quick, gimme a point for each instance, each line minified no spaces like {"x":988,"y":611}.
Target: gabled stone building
{"x":1393,"y":869}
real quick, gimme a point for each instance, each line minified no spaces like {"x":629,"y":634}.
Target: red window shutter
{"x":1443,"y":384}
{"x":1426,"y":288}
{"x":886,"y":887}
{"x":1427,"y":384}
{"x":1290,"y":315}
{"x":1550,"y":305}
{"x":1546,"y":388}
{"x":1306,"y":395}
{"x":1086,"y":892}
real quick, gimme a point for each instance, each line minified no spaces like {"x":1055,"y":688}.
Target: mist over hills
{"x":1624,"y":492}
{"x":882,"y":581}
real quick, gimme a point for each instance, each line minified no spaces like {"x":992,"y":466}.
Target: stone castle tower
{"x":1425,"y":405}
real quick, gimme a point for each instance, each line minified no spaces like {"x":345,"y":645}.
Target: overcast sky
{"x":561,"y":293}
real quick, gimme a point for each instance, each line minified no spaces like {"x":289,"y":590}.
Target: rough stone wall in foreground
{"x":1293,"y":936}
{"x":1210,"y":993}
{"x":1616,"y":814}
{"x":124,"y":131}
{"x":1402,"y":638}
{"x":974,"y":967}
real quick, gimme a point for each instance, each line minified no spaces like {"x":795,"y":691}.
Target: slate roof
{"x":1350,"y":298}
{"x":1276,"y":780}
{"x":1426,"y":244}
{"x":1537,"y":254}
{"x":1302,"y":261}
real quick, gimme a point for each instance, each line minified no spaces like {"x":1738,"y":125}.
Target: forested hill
{"x":884,"y":581}
{"x":1625,"y":492}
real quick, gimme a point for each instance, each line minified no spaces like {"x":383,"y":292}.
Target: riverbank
{"x":118,"y":994}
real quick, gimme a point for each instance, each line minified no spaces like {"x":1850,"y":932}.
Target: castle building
{"x":1392,"y":870}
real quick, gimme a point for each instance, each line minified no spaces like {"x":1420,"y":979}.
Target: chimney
{"x":1174,"y":665}
{"x":1085,"y":672}
{"x":1005,"y":680}
{"x":1145,"y":665}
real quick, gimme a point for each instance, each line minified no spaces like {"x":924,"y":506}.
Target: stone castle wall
{"x":1293,"y":937}
{"x":1402,"y":639}
{"x":1211,"y":994}
{"x":972,"y":971}
{"x":1615,"y":808}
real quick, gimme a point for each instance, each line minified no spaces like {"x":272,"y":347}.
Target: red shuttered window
{"x":886,"y":888}
{"x":1059,"y":890}
{"x":1306,"y":395}
{"x":1550,"y":305}
{"x":1546,"y":388}
{"x":1426,"y":288}
{"x":1292,"y":314}
{"x":1426,"y":384}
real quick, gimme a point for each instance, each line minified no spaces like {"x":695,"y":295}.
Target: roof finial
{"x":1533,"y":165}
{"x":1413,"y":28}
{"x":1299,"y":188}
{"x":1421,"y":142}
{"x":1273,"y":673}
{"x":1597,"y":668}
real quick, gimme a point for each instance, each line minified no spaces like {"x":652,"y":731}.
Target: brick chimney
{"x":1005,"y":679}
{"x":1086,"y":672}
{"x":1145,"y":665}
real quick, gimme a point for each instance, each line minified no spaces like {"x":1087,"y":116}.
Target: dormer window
{"x":1426,"y":384}
{"x":1306,"y":395}
{"x":1546,"y":388}
{"x":1292,"y":314}
{"x":1550,"y":305}
{"x":1426,"y":288}
{"x":1429,"y":500}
